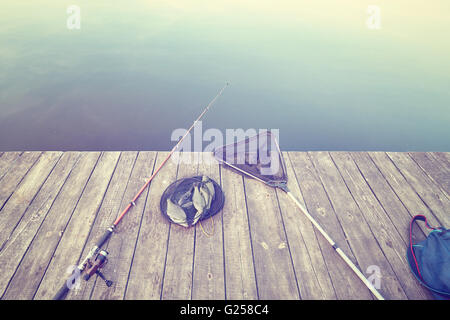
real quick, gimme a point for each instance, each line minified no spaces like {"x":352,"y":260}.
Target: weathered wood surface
{"x":209,"y":278}
{"x":54,"y":205}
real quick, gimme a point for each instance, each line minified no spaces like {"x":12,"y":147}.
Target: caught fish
{"x":185,"y":197}
{"x":196,"y":217}
{"x":187,"y":205}
{"x":198,"y":200}
{"x":208,"y":183}
{"x":204,"y":191}
{"x":176,"y":213}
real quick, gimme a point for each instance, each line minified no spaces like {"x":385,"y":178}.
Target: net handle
{"x":334,"y":245}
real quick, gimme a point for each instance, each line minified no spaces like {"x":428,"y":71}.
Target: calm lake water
{"x":137,"y":70}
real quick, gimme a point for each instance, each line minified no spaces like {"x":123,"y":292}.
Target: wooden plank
{"x":405,"y":193}
{"x":13,"y":211}
{"x":177,"y":283}
{"x":17,"y":245}
{"x":275,"y":274}
{"x":346,"y":285}
{"x":33,"y":265}
{"x":75,"y":234}
{"x":109,"y":210}
{"x":382,"y":190}
{"x":121,"y":247}
{"x":12,"y":178}
{"x":147,"y":270}
{"x":434,"y":169}
{"x":7,"y":161}
{"x":385,"y":194}
{"x":364,"y":245}
{"x":314,"y":281}
{"x":434,"y":198}
{"x":208,"y":281}
{"x":442,"y":157}
{"x":240,"y":280}
{"x":380,"y":225}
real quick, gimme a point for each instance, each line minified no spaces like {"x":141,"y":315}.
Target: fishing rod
{"x":90,"y":266}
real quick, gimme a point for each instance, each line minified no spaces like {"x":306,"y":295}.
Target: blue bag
{"x":429,"y":259}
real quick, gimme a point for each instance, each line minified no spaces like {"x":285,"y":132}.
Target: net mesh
{"x":181,"y":189}
{"x":258,"y":156}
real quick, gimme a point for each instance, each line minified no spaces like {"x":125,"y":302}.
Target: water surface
{"x":137,"y":70}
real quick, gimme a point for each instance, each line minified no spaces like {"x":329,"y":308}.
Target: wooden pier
{"x":54,"y":205}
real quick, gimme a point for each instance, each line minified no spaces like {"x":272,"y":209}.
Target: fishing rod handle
{"x":61,"y":294}
{"x":105,"y":237}
{"x":64,"y":290}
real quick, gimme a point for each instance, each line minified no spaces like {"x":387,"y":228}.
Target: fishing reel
{"x":94,"y":267}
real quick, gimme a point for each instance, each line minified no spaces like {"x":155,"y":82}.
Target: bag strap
{"x":424,"y":219}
